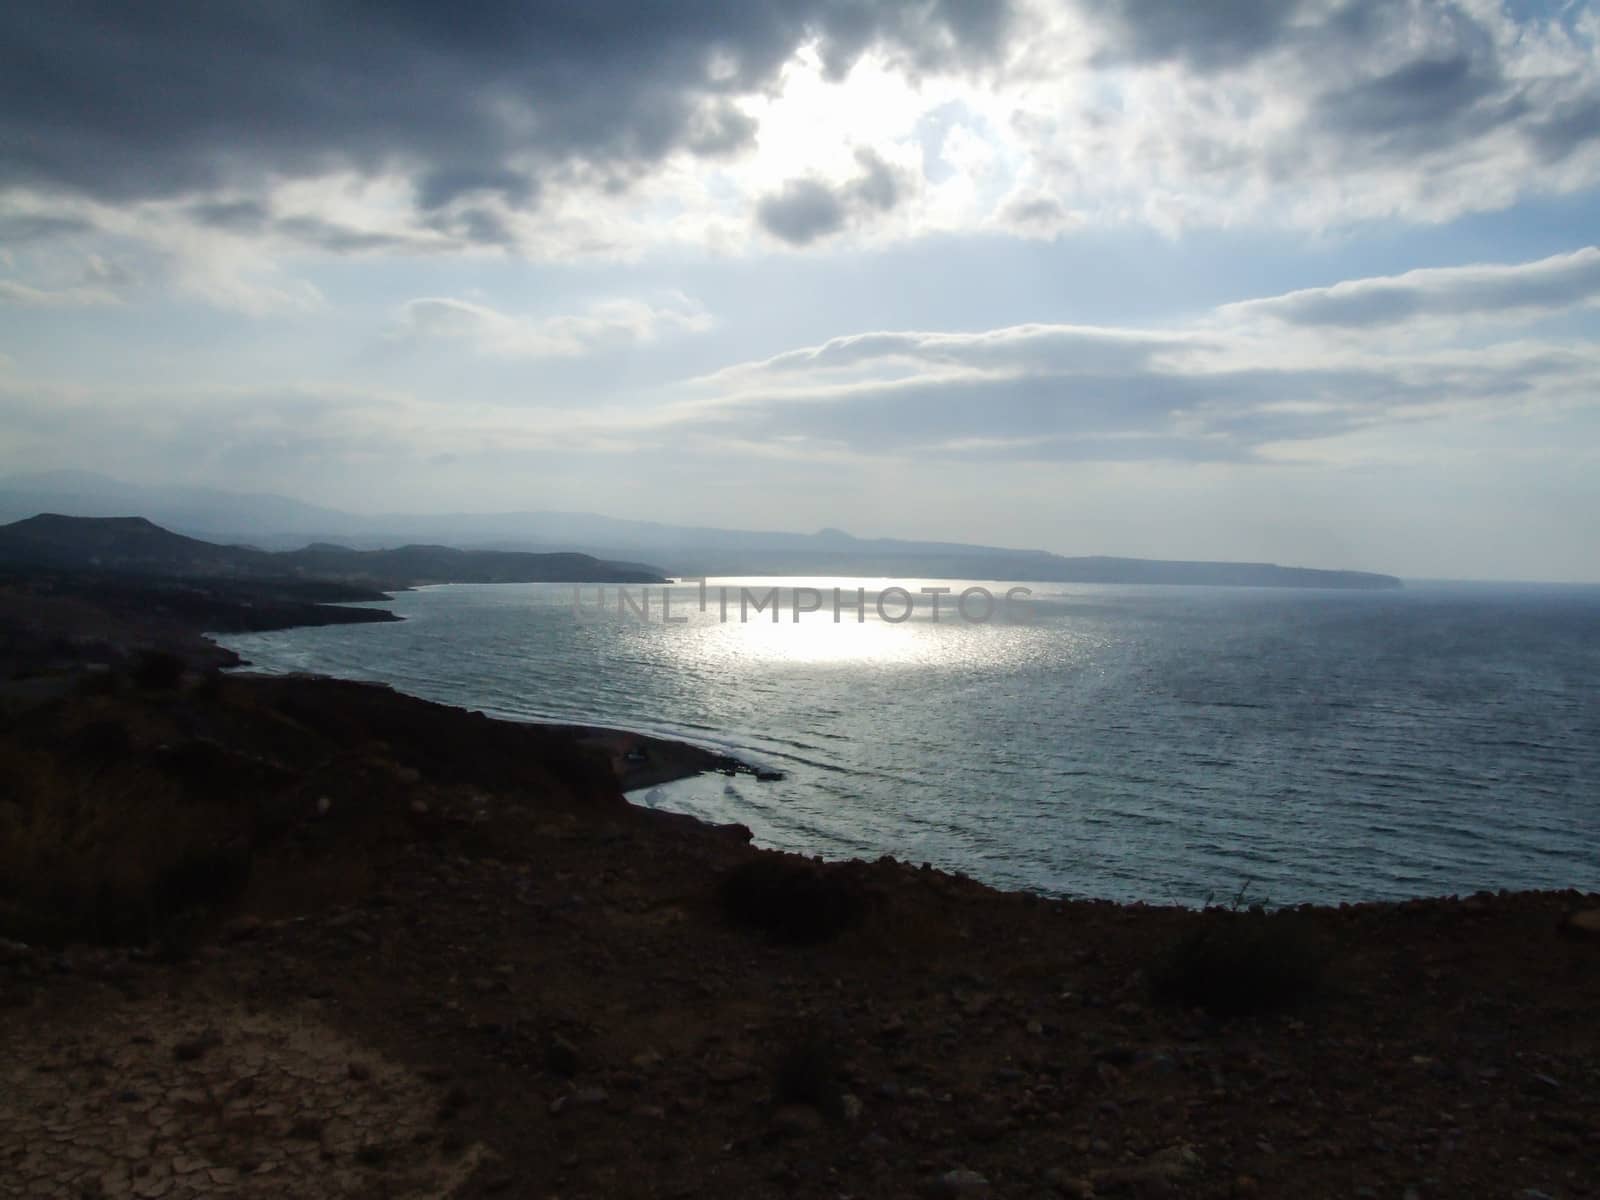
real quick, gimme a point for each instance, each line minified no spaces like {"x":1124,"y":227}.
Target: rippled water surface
{"x":1150,"y":743}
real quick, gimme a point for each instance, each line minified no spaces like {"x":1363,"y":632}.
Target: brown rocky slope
{"x":308,"y":938}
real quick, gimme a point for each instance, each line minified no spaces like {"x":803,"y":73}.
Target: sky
{"x":1306,"y":281}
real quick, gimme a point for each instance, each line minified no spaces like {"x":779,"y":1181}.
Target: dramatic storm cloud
{"x":480,"y":107}
{"x":1139,"y":276}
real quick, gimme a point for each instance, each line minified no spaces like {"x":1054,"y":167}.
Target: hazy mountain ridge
{"x":137,"y":546}
{"x":281,"y":523}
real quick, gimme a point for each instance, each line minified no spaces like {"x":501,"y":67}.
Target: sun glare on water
{"x":800,"y":621}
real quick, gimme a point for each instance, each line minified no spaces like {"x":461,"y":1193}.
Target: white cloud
{"x":1311,"y":114}
{"x":1232,"y":387}
{"x":487,"y":330}
{"x":1487,"y":291}
{"x":82,"y":296}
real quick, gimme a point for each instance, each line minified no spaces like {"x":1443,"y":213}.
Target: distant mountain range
{"x":136,"y":546}
{"x":276,"y":522}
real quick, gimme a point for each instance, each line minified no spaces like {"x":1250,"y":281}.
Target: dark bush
{"x":201,"y":876}
{"x":157,"y":671}
{"x":101,"y":741}
{"x":808,"y":1071}
{"x":110,"y":851}
{"x":1240,"y":963}
{"x":99,"y":681}
{"x":791,"y":899}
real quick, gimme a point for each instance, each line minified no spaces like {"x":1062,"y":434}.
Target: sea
{"x":1175,"y":745}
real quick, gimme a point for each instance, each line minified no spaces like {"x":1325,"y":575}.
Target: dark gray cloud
{"x":32,"y":227}
{"x":1438,"y":78}
{"x":802,"y":211}
{"x":125,"y":101}
{"x":805,"y":209}
{"x":339,"y":239}
{"x":879,"y":186}
{"x":253,"y":217}
{"x":1429,"y":103}
{"x":1565,"y":125}
{"x":236,"y":216}
{"x":443,"y":185}
{"x":1207,"y":35}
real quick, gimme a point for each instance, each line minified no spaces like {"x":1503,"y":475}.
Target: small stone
{"x":850,"y":1106}
{"x":193,"y":1048}
{"x":960,"y":1182}
{"x":561,"y":1057}
{"x":373,"y":1154}
{"x":793,"y":1120}
{"x":1159,"y":1170}
{"x":324,"y":806}
{"x":590,"y":1096}
{"x":1582,"y":924}
{"x":733,"y":1071}
{"x":1065,"y":1183}
{"x":243,"y":928}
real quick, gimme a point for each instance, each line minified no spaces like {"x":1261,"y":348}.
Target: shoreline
{"x":638,"y":760}
{"x":267,"y":935}
{"x":105,"y":623}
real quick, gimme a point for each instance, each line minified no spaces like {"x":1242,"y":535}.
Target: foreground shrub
{"x":113,"y":853}
{"x":808,"y":1071}
{"x":791,"y":899}
{"x":157,"y":671}
{"x":1240,"y":963}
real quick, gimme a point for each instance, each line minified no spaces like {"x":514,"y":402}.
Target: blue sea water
{"x":1152,"y":743}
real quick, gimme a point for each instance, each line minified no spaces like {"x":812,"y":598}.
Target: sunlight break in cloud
{"x":796,"y":124}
